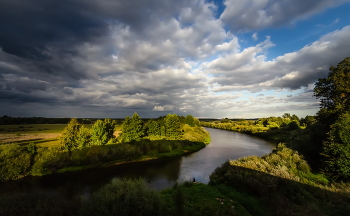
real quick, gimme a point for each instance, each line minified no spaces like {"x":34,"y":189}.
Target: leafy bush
{"x":15,"y":162}
{"x":125,"y":197}
{"x":336,"y":150}
{"x":49,"y":159}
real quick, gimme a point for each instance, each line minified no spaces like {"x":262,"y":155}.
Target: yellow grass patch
{"x":11,"y":138}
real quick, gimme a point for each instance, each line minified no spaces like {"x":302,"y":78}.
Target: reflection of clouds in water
{"x":159,"y":174}
{"x":250,"y":145}
{"x":225,"y":145}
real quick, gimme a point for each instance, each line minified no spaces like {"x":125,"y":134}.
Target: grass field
{"x":32,"y":129}
{"x":41,"y":134}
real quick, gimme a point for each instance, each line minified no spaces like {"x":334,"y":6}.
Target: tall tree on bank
{"x":70,"y":134}
{"x":336,"y":149}
{"x":334,"y":92}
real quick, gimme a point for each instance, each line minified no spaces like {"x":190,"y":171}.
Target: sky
{"x":212,"y":59}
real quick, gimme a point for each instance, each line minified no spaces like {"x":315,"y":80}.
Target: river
{"x":159,"y":174}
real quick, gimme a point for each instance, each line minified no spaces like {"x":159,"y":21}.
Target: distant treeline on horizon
{"x":8,"y":120}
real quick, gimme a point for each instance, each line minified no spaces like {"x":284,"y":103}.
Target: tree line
{"x":8,"y":120}
{"x":170,"y":127}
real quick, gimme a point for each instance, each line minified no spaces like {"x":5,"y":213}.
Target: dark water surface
{"x":159,"y":174}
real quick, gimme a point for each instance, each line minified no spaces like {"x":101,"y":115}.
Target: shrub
{"x":336,"y":150}
{"x":50,"y":159}
{"x":15,"y":162}
{"x":125,"y":197}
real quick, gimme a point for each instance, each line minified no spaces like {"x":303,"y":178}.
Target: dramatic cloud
{"x":110,"y":58}
{"x":248,"y":70}
{"x":260,"y":14}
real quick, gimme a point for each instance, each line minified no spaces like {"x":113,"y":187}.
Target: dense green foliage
{"x":173,"y":127}
{"x":69,"y":137}
{"x":283,"y":183}
{"x":334,"y":94}
{"x":132,"y":129}
{"x":15,"y":161}
{"x":334,"y":90}
{"x":169,"y":127}
{"x":125,"y":197}
{"x":336,"y":149}
{"x":102,"y":131}
{"x":190,"y":120}
{"x":76,"y":135}
{"x":18,"y":161}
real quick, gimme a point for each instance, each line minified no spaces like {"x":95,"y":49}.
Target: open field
{"x":32,"y":128}
{"x":41,"y":134}
{"x":41,"y":139}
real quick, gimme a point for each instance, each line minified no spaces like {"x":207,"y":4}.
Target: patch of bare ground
{"x":117,"y":133}
{"x":8,"y":138}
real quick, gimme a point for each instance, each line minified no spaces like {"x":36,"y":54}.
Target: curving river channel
{"x":159,"y":174}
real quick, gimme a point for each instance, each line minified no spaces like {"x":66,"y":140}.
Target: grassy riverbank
{"x":103,"y":144}
{"x":19,"y":161}
{"x":279,"y":183}
{"x":128,"y":197}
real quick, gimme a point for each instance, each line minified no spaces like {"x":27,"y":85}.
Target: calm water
{"x":159,"y":174}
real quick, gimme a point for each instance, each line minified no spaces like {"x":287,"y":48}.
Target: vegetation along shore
{"x":101,"y":144}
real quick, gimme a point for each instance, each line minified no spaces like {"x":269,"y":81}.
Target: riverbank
{"x":128,"y":197}
{"x":279,"y":183}
{"x":174,"y":153}
{"x":20,"y":161}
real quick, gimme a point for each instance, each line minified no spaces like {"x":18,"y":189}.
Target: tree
{"x":336,"y":150}
{"x":308,"y":120}
{"x":69,"y":135}
{"x":102,"y":131}
{"x":173,"y":127}
{"x":295,"y":118}
{"x":197,"y":122}
{"x":125,"y":136}
{"x":286,"y":115}
{"x":132,"y":129}
{"x":225,"y":120}
{"x":153,"y":128}
{"x":189,"y":120}
{"x":83,"y":137}
{"x":334,"y":90}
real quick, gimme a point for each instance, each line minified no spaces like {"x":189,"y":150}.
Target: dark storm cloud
{"x":28,"y":29}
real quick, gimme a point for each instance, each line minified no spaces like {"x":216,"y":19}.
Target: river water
{"x":159,"y":174}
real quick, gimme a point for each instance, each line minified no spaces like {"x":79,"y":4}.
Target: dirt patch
{"x":8,"y":138}
{"x":117,"y":133}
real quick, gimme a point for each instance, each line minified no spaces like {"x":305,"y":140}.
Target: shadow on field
{"x":281,"y":196}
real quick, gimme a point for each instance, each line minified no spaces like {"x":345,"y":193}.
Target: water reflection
{"x":159,"y":174}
